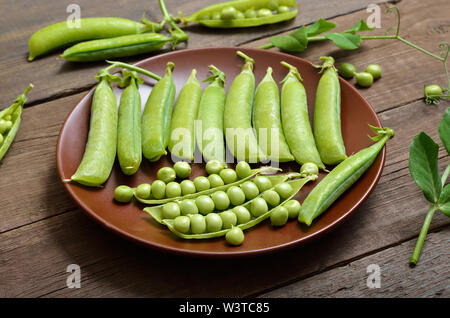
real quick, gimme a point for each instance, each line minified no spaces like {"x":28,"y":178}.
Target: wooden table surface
{"x":42,"y":231}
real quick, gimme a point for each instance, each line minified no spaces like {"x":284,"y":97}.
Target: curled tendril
{"x":397,"y":10}
{"x":445,"y":49}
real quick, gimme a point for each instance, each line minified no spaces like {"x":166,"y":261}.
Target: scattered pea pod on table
{"x":182,"y":133}
{"x":327,"y":115}
{"x":342,"y":177}
{"x":244,"y":13}
{"x":129,"y":146}
{"x":295,"y":119}
{"x":209,"y":136}
{"x":239,"y":134}
{"x":10,"y":119}
{"x":157,"y":115}
{"x":64,"y":33}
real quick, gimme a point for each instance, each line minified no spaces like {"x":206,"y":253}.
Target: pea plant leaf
{"x":423,"y":166}
{"x":444,"y":201}
{"x":444,"y":130}
{"x":296,"y":41}
{"x":320,"y":26}
{"x":359,"y":26}
{"x":345,"y":41}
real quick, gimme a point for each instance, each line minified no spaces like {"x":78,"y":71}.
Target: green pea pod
{"x":295,"y":119}
{"x":206,"y":15}
{"x":14,"y":111}
{"x":342,"y":177}
{"x":65,"y":33}
{"x":122,"y":46}
{"x":129,"y":147}
{"x":296,"y":186}
{"x":182,"y":137}
{"x":254,"y":172}
{"x":327,"y":115}
{"x":210,"y":138}
{"x":267,"y":121}
{"x":99,"y":155}
{"x":157,"y":116}
{"x":239,"y":134}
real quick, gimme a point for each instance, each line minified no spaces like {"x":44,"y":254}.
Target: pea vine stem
{"x":423,"y":233}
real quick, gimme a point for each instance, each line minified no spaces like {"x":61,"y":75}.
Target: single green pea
{"x":213,"y":222}
{"x":228,"y":13}
{"x":375,"y":70}
{"x":228,"y":175}
{"x":123,"y":194}
{"x":182,"y":223}
{"x":243,"y":169}
{"x":144,"y":191}
{"x":242,"y":214}
{"x":250,"y":189}
{"x":263,"y":183}
{"x":364,"y":79}
{"x":7,"y":117}
{"x":235,"y":236}
{"x":215,"y":180}
{"x":283,"y":9}
{"x":171,"y":210}
{"x":279,"y":216}
{"x":236,"y":195}
{"x":272,"y":5}
{"x":188,"y":206}
{"x":293,"y":207}
{"x":221,"y":200}
{"x":166,"y":174}
{"x":187,"y":187}
{"x":173,"y":190}
{"x":432,"y":90}
{"x":216,"y":16}
{"x":284,"y":189}
{"x":5,"y":125}
{"x":271,"y":197}
{"x":239,"y":15}
{"x":158,"y":189}
{"x":214,"y":166}
{"x":262,"y":13}
{"x":347,"y":70}
{"x":250,"y":13}
{"x":182,"y":169}
{"x":205,"y":204}
{"x":228,"y":219}
{"x":198,"y":224}
{"x":258,"y":207}
{"x":308,"y":169}
{"x":1,"y":139}
{"x":201,"y":183}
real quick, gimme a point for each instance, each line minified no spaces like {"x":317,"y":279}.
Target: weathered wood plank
{"x":429,"y":279}
{"x":68,"y":78}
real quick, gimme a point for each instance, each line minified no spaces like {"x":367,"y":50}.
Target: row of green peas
{"x":231,"y":13}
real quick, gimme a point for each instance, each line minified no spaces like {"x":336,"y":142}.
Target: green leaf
{"x":444,"y":130}
{"x":296,"y":41}
{"x":345,"y":41}
{"x":444,"y":201}
{"x":319,"y":27}
{"x":423,"y":166}
{"x":359,"y":26}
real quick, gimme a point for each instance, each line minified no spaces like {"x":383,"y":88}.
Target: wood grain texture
{"x":429,"y":279}
{"x":66,"y":78}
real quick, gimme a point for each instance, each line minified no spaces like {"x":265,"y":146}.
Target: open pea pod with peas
{"x":243,"y":13}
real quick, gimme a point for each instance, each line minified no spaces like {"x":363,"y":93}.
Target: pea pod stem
{"x":133,"y":68}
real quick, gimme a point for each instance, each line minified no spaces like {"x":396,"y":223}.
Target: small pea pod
{"x":254,"y":172}
{"x":157,"y":116}
{"x":209,"y":136}
{"x":99,"y":155}
{"x":267,"y":121}
{"x":342,"y":177}
{"x":296,"y":186}
{"x":239,"y":134}
{"x":215,"y":16}
{"x":129,"y":147}
{"x":182,"y":137}
{"x":295,"y":119}
{"x":327,"y":115}
{"x":64,"y":33}
{"x":11,"y":118}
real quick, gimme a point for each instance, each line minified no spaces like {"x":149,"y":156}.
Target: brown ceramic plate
{"x":129,"y":221}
